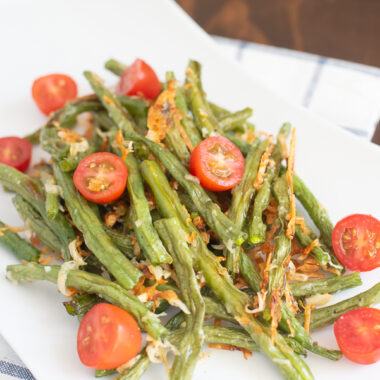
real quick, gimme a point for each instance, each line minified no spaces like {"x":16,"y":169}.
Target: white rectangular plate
{"x":40,"y":37}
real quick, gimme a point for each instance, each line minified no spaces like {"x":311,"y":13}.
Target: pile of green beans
{"x":201,"y":240}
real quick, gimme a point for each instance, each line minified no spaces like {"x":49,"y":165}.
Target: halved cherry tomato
{"x":101,"y":177}
{"x":51,"y":92}
{"x":358,"y":335}
{"x":139,"y":79}
{"x":217,"y":163}
{"x":15,"y":152}
{"x":108,"y":337}
{"x":356,"y":242}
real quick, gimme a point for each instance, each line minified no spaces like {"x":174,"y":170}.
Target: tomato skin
{"x":52,"y":92}
{"x":139,"y":79}
{"x":358,"y":335}
{"x":108,"y":337}
{"x":100,"y":169}
{"x":15,"y":152}
{"x":217,"y":163}
{"x":356,"y":242}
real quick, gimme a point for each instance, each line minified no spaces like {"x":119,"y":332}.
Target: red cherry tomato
{"x":108,"y":337}
{"x":139,"y":79}
{"x":356,"y":242}
{"x":358,"y":335}
{"x":217,"y":163}
{"x":15,"y":152}
{"x":101,"y":177}
{"x":51,"y":92}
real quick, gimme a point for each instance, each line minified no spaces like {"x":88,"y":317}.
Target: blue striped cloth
{"x":345,"y":93}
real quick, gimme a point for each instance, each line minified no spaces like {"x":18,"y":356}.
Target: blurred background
{"x":345,"y":29}
{"x":321,"y":54}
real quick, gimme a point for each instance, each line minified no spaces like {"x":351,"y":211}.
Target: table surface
{"x":344,"y":29}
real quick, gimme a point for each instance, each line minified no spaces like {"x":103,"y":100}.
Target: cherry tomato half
{"x":139,"y":79}
{"x":217,"y":163}
{"x":108,"y":337}
{"x":101,"y":177}
{"x":15,"y":152}
{"x":356,"y":242}
{"x":358,"y":335}
{"x":51,"y":92}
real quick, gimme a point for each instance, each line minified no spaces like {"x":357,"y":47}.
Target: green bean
{"x":147,"y":236}
{"x":241,"y":198}
{"x":219,"y":281}
{"x":316,"y":211}
{"x":233,"y":120}
{"x":66,"y":116}
{"x":203,"y":117}
{"x":301,"y":335}
{"x":325,"y":285}
{"x":31,"y":190}
{"x":257,"y":228}
{"x":115,"y":66}
{"x":18,"y":246}
{"x":80,"y":304}
{"x":34,"y":221}
{"x":190,"y":345}
{"x":135,"y":106}
{"x":250,"y":273}
{"x":243,"y":145}
{"x":92,"y":283}
{"x":94,"y":236}
{"x":283,"y":243}
{"x":327,"y":315}
{"x":104,"y":372}
{"x":121,"y":240}
{"x":51,"y":198}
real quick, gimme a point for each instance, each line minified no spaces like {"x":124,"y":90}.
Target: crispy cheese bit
{"x":264,"y":161}
{"x":308,"y":309}
{"x":191,"y":237}
{"x":77,"y":143}
{"x":188,"y":85}
{"x":107,"y":99}
{"x":308,"y":249}
{"x":227,"y":347}
{"x":199,"y":223}
{"x":121,"y":144}
{"x":310,"y":267}
{"x":282,"y":139}
{"x":44,"y":259}
{"x":259,"y":301}
{"x":220,"y":258}
{"x":74,"y":248}
{"x":290,"y":328}
{"x":12,"y":229}
{"x":302,"y":224}
{"x":289,"y":175}
{"x":163,"y":114}
{"x":291,"y":303}
{"x":275,"y":313}
{"x":110,"y":218}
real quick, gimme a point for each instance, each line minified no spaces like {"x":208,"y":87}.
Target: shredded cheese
{"x":53,"y":189}
{"x":301,"y":222}
{"x":289,"y":175}
{"x":74,"y":252}
{"x":264,"y":161}
{"x":308,"y":309}
{"x":12,"y":229}
{"x":62,"y":277}
{"x":125,"y":147}
{"x":157,"y":350}
{"x":319,"y":299}
{"x":308,"y":249}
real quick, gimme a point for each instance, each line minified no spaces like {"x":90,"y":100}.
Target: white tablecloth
{"x":343,"y":92}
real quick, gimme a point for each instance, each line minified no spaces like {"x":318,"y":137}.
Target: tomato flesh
{"x":15,"y":152}
{"x":101,"y":177}
{"x":356,"y":242}
{"x":139,"y":79}
{"x":51,"y":92}
{"x":217,"y":163}
{"x":358,"y":335}
{"x":108,"y":337}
